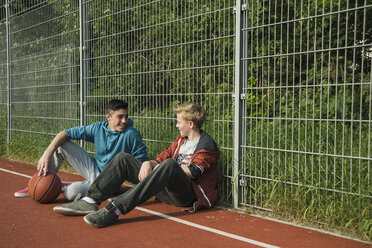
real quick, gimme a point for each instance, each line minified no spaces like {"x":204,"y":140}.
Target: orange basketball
{"x":44,"y":189}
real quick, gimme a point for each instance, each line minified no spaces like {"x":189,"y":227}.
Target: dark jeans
{"x":168,"y":182}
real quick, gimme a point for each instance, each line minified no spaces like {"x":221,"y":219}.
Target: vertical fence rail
{"x":3,"y":79}
{"x":9,"y":66}
{"x":238,"y":104}
{"x":83,"y":51}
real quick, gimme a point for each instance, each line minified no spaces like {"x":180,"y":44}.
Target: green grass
{"x":303,"y":176}
{"x":28,"y":148}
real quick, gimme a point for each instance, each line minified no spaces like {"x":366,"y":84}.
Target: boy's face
{"x":183,"y":125}
{"x":118,"y":119}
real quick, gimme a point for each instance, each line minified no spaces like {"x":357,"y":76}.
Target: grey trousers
{"x":81,"y":161}
{"x":168,"y":182}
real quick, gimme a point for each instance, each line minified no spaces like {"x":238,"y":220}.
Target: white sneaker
{"x":22,"y":193}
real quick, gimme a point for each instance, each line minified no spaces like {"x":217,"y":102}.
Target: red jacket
{"x":205,"y":157}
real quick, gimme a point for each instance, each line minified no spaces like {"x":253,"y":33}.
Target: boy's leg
{"x":77,"y":158}
{"x":81,"y":161}
{"x":168,"y":182}
{"x":75,"y":188}
{"x":121,"y":168}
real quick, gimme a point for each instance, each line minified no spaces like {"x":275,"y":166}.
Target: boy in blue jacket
{"x":110,"y":137}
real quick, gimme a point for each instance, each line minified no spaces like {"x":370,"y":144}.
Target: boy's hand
{"x":43,"y":165}
{"x":145,"y":170}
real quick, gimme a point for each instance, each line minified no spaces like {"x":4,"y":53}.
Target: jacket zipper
{"x":178,"y":146}
{"x":200,"y":188}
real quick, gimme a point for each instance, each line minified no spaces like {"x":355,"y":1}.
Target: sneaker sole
{"x":21,"y":195}
{"x":70,"y":211}
{"x":91,"y":223}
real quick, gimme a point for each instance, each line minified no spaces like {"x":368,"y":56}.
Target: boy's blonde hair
{"x":191,"y":112}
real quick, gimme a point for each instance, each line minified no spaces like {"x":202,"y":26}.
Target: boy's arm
{"x":168,"y":152}
{"x":186,"y":169}
{"x":146,"y":169}
{"x":148,"y":166}
{"x":139,"y":150}
{"x":44,"y":163}
{"x":202,"y":162}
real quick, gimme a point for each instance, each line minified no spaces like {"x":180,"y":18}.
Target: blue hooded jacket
{"x":108,"y":143}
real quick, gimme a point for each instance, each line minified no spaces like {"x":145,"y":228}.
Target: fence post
{"x":83,"y":19}
{"x":9,"y":55}
{"x":238,"y":104}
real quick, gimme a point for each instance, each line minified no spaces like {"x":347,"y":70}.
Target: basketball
{"x":44,"y":189}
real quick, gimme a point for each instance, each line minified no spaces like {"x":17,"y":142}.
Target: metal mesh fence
{"x":43,"y":58}
{"x":307,"y":115}
{"x":155,"y":54}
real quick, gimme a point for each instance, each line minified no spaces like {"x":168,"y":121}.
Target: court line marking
{"x":185,"y":222}
{"x":16,"y":173}
{"x":205,"y":228}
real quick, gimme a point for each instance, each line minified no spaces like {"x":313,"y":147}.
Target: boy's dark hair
{"x":116,"y":104}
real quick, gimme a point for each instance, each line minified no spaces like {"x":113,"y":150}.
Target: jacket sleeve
{"x":168,"y":152}
{"x":205,"y":159}
{"x":82,"y":132}
{"x":139,"y":150}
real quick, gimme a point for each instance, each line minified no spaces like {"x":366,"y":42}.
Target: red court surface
{"x":25,"y":223}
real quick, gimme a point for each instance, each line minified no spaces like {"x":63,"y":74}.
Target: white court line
{"x":16,"y":173}
{"x":185,"y":222}
{"x":205,"y":228}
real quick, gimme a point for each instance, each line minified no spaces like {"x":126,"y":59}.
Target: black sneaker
{"x":77,"y":207}
{"x":104,"y":217}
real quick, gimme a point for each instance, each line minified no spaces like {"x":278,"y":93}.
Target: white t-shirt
{"x":187,"y":148}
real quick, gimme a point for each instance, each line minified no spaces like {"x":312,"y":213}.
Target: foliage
{"x":309,"y":111}
{"x":27,"y":147}
{"x":305,"y":177}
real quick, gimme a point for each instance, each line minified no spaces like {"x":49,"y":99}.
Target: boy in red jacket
{"x":184,"y":174}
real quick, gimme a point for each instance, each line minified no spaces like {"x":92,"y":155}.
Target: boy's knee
{"x":170,"y":163}
{"x":65,"y":149}
{"x":65,"y":146}
{"x":122,"y":156}
{"x":60,"y":149}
